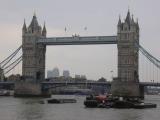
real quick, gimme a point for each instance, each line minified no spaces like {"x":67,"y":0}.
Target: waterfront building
{"x":80,"y":77}
{"x":53,"y":73}
{"x":49,"y":73}
{"x":77,"y":76}
{"x":83,"y":77}
{"x":56,"y":72}
{"x":66,"y":73}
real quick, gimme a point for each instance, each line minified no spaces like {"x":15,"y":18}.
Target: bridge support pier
{"x":26,"y":89}
{"x":125,"y":89}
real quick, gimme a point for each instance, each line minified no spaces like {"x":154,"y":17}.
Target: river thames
{"x":29,"y":109}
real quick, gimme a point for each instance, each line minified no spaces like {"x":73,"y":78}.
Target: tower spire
{"x":44,"y":31}
{"x":137,"y":24}
{"x":132,"y":21}
{"x":34,"y":14}
{"x":119,"y":21}
{"x":128,"y":17}
{"x":34,"y":26}
{"x":24,"y":29}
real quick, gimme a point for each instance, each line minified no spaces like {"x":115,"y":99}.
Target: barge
{"x":115,"y":102}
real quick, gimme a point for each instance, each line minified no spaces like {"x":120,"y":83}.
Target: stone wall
{"x":127,"y":82}
{"x":26,"y":89}
{"x":125,"y":89}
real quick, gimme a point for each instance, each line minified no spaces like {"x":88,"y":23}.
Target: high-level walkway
{"x":77,"y":40}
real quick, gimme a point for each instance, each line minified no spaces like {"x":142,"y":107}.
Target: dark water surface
{"x":29,"y":109}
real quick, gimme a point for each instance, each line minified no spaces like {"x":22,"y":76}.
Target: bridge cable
{"x":147,"y":53}
{"x":12,"y":63}
{"x":9,"y":58}
{"x":152,"y":59}
{"x":10,"y":55}
{"x":13,"y":66}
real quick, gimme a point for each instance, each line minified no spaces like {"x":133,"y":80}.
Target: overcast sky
{"x":99,"y":16}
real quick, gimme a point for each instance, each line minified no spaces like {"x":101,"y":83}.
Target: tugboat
{"x":115,"y":102}
{"x":100,"y":101}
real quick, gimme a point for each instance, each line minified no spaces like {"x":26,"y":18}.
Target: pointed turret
{"x":44,"y":31}
{"x":133,"y":25}
{"x":132,"y":21}
{"x":119,"y":21}
{"x":34,"y":26}
{"x":119,"y":26}
{"x":34,"y":22}
{"x":128,"y":18}
{"x":137,"y":24}
{"x":24,"y":29}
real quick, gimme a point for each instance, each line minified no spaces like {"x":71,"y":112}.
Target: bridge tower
{"x":127,"y":82}
{"x":33,"y":65}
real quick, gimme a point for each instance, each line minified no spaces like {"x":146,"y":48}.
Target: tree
{"x":102,"y":79}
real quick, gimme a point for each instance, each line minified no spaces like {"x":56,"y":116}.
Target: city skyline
{"x":68,"y":19}
{"x":56,"y":72}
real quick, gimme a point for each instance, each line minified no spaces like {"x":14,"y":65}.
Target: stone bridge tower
{"x":127,"y":83}
{"x":33,"y":65}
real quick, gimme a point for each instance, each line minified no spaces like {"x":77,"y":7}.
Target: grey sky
{"x":100,"y":17}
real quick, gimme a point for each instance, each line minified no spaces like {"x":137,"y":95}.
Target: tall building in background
{"x":53,"y":73}
{"x":83,"y":77}
{"x":66,"y":73}
{"x":77,"y":76}
{"x":80,"y":77}
{"x":49,"y":73}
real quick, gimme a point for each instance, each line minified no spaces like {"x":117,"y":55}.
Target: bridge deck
{"x":76,"y":40}
{"x":93,"y":83}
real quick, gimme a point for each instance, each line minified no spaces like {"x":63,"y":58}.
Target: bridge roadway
{"x":98,"y":83}
{"x":11,"y":84}
{"x":77,"y":40}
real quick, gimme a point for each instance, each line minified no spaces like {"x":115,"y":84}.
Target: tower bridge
{"x":34,"y":42}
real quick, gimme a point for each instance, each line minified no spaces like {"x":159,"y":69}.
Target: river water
{"x":29,"y":109}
